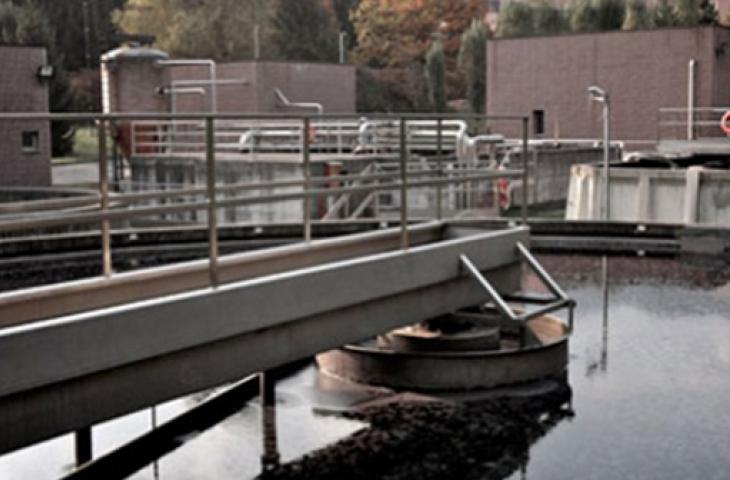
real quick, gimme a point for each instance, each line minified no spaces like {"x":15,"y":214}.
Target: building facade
{"x":643,"y":71}
{"x":25,"y":146}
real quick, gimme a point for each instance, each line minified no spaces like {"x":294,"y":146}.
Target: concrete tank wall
{"x":691,"y":196}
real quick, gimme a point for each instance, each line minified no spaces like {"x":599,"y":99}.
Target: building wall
{"x":22,"y":91}
{"x":331,"y":85}
{"x":642,"y":70}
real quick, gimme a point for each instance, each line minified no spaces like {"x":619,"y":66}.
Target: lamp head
{"x":598,"y":94}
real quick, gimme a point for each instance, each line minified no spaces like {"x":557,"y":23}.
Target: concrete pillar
{"x":692,"y":194}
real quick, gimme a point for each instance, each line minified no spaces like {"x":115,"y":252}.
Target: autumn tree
{"x":473,"y":64}
{"x":516,"y":19}
{"x":583,"y":17}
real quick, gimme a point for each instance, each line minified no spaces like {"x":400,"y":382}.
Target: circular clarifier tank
{"x":462,"y":351}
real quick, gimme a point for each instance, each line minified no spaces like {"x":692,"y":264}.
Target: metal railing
{"x":120,"y":207}
{"x":690,"y":124}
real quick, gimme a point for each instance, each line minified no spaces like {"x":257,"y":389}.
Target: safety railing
{"x":213,"y":196}
{"x":690,"y":124}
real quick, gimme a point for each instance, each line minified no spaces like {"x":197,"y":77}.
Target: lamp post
{"x":600,"y":95}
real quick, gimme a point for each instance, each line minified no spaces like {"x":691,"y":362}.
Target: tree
{"x":662,"y":15}
{"x":516,"y":19}
{"x":304,"y":30}
{"x":583,"y":17}
{"x":436,"y":76}
{"x":636,"y":16}
{"x":688,"y":13}
{"x":343,"y":10}
{"x":548,"y":19}
{"x":472,"y":63}
{"x":708,"y":13}
{"x":610,"y":14}
{"x":218,"y":29}
{"x":397,"y":33}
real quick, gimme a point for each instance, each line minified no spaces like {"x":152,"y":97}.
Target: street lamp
{"x":600,"y":95}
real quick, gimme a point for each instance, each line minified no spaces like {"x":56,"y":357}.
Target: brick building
{"x":642,"y":70}
{"x":144,"y":79}
{"x":25,"y":146}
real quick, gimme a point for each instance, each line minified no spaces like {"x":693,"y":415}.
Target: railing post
{"x":106,"y":243}
{"x":525,"y":173}
{"x":439,"y":164}
{"x":83,"y":446}
{"x":403,"y":185}
{"x":212,"y":204}
{"x":307,"y":202}
{"x":270,"y":456}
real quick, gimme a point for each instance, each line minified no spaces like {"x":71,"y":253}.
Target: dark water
{"x":651,"y":396}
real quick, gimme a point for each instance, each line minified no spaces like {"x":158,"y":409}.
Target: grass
{"x":86,"y":148}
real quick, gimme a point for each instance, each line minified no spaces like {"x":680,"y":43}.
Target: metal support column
{"x":525,"y":173}
{"x":307,"y":202}
{"x":84,"y":447}
{"x":212,"y":204}
{"x":439,"y":163}
{"x":403,"y":185}
{"x":270,"y":457}
{"x":106,"y":242}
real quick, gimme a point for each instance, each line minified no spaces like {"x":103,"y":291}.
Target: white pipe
{"x":342,"y":46}
{"x":691,"y":99}
{"x":287,"y":103}
{"x":256,"y":42}
{"x":213,"y":80}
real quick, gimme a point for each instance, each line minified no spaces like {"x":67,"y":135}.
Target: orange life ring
{"x":725,"y":123}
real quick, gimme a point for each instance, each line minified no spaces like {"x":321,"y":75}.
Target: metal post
{"x":256,"y":42}
{"x":691,"y":99}
{"x":439,"y":163}
{"x":525,"y":173}
{"x":106,"y":242}
{"x":84,"y":446}
{"x":270,"y":457}
{"x":342,"y":46}
{"x":306,"y":203}
{"x":212,"y":207}
{"x":606,"y":161}
{"x":403,"y":185}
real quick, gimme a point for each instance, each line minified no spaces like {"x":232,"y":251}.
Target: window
{"x":30,"y":141}
{"x":538,"y":122}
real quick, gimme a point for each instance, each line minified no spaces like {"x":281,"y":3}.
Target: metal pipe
{"x":289,"y":104}
{"x":270,"y":456}
{"x":691,"y":99}
{"x":306,"y":205}
{"x":342,"y":47}
{"x":494,"y":296}
{"x":256,"y":42}
{"x":606,"y":158}
{"x":106,"y":237}
{"x":213,"y":76}
{"x":439,"y":160}
{"x":525,"y":173}
{"x":212,"y":203}
{"x":403,"y":185}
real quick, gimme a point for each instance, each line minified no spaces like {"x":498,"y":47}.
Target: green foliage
{"x":708,"y":13}
{"x":662,"y":14}
{"x":688,"y":13}
{"x":304,"y":30}
{"x":583,"y":17}
{"x":436,"y":76}
{"x":219,"y":29}
{"x":548,"y":19}
{"x":472,"y":63}
{"x":610,"y":14}
{"x":637,"y":16}
{"x":516,"y":19}
{"x":8,"y":23}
